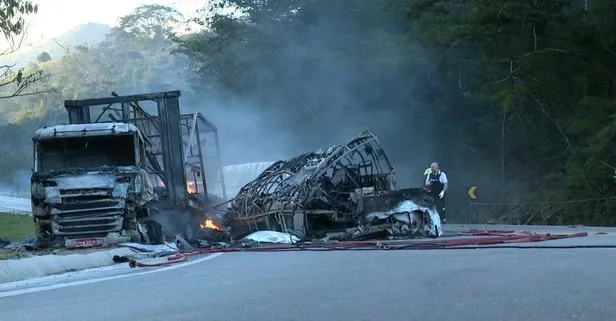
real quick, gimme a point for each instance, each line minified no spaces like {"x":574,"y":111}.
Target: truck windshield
{"x":86,"y":152}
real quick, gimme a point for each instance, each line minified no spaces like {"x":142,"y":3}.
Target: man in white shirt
{"x":437,"y":180}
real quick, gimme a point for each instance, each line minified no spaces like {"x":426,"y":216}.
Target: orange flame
{"x":190,"y":187}
{"x":209,"y":224}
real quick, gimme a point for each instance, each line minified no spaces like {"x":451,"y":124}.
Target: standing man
{"x":437,"y":180}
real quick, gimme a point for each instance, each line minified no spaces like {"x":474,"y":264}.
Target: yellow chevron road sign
{"x":471,"y":192}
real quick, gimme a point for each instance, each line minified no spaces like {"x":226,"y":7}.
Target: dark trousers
{"x":441,"y":206}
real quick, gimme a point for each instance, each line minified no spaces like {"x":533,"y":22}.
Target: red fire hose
{"x":478,"y":239}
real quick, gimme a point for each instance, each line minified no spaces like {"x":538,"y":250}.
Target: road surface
{"x":16,"y":205}
{"x":480,"y":284}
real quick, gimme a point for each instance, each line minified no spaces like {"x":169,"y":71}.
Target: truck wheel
{"x":155,"y":232}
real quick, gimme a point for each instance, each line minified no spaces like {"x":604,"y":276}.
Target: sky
{"x":56,"y":17}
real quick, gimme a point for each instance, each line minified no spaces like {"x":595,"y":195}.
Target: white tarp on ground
{"x":272,"y":237}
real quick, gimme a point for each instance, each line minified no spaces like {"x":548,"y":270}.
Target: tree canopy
{"x":514,"y":96}
{"x":13,"y":26}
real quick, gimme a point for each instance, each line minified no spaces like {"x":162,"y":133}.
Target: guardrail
{"x":552,"y":213}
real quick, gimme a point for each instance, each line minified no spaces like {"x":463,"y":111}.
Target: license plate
{"x":86,"y":242}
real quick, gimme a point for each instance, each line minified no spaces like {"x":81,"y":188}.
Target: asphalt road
{"x":486,"y":284}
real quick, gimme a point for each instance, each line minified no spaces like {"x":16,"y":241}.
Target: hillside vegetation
{"x":86,"y":34}
{"x":515,"y":96}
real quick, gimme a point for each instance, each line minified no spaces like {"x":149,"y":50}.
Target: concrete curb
{"x":37,"y":266}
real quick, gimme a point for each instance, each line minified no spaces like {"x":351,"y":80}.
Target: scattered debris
{"x":159,"y":248}
{"x":211,"y":233}
{"x":406,"y":212}
{"x":349,"y":189}
{"x":4,"y":242}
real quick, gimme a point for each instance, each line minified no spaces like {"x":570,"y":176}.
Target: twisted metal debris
{"x":316,"y":192}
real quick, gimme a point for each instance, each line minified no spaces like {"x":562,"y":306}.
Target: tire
{"x":156,"y":235}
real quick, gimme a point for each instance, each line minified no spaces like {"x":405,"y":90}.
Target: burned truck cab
{"x":89,"y":184}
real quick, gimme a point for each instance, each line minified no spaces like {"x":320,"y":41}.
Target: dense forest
{"x":516,"y":97}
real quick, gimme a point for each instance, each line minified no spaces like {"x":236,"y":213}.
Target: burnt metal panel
{"x":222,"y":177}
{"x":121,"y":99}
{"x":79,"y":114}
{"x":200,"y":155}
{"x":171,"y":143}
{"x":202,"y":148}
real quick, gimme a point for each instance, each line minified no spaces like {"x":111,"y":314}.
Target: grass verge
{"x":16,"y":227}
{"x":11,"y":254}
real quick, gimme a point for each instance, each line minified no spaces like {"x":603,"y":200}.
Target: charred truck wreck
{"x":347,"y":191}
{"x":116,"y":172}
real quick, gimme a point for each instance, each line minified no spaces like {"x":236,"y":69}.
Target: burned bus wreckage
{"x":344,"y":192}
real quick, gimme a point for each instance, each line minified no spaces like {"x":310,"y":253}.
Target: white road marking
{"x":109,"y":278}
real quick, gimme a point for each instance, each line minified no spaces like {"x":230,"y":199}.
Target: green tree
{"x":324,"y":58}
{"x":127,"y":63}
{"x":43,"y":57}
{"x":13,"y":15}
{"x":523,"y":89}
{"x":517,"y":95}
{"x":540,"y":77}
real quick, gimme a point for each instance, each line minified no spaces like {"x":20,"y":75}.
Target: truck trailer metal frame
{"x":176,"y":153}
{"x":177,"y":157}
